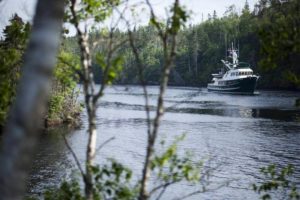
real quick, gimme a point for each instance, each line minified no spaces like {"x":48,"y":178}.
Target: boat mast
{"x":234,"y":55}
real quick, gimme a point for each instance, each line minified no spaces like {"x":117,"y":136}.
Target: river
{"x":240,"y":134}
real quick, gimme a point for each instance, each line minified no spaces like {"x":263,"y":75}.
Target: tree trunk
{"x":90,"y":154}
{"x":27,"y":113}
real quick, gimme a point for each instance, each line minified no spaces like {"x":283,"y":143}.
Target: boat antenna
{"x":225,"y":35}
{"x":238,"y":49}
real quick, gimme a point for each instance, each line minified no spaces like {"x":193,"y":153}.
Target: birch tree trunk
{"x":90,"y":100}
{"x":27,"y":113}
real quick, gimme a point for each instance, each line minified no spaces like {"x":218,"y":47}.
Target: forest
{"x":272,"y":52}
{"x":50,"y":80}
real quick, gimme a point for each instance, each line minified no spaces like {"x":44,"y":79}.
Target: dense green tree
{"x":279,"y":31}
{"x":62,"y":103}
{"x":11,"y":52}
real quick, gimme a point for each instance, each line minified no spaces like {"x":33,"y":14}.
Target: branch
{"x":153,"y":16}
{"x":74,"y":69}
{"x":162,"y":186}
{"x":74,"y":156}
{"x":113,"y":27}
{"x":140,"y":71}
{"x":161,"y":193}
{"x":142,"y":80}
{"x":201,"y":191}
{"x":104,"y":143}
{"x":106,"y":70}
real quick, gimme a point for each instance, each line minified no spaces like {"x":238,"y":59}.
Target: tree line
{"x":267,"y":37}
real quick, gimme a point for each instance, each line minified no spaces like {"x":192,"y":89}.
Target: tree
{"x":215,"y":16}
{"x":97,"y":10}
{"x":279,"y":37}
{"x":11,"y":52}
{"x":20,"y":132}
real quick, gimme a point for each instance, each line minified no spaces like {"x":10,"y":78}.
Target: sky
{"x":199,"y":8}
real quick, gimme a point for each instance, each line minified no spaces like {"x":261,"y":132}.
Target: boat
{"x":236,"y":77}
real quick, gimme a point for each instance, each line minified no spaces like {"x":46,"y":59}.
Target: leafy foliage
{"x":67,"y":191}
{"x":276,"y":179}
{"x":97,"y":10}
{"x":114,"y":181}
{"x":11,"y":52}
{"x":172,"y":168}
{"x":62,"y":104}
{"x":280,"y":38}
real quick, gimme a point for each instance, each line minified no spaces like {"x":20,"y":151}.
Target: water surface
{"x":240,"y":134}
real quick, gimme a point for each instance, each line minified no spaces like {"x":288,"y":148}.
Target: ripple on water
{"x":237,"y":134}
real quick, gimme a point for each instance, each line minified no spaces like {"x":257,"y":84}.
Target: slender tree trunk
{"x":90,"y":101}
{"x":90,"y":154}
{"x":151,"y":140}
{"x":196,"y":51}
{"x":27,"y":112}
{"x":89,"y":92}
{"x":169,"y":55}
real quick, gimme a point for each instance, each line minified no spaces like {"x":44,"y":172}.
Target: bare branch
{"x":74,"y":156}
{"x":202,"y":191}
{"x":106,"y":70}
{"x":162,"y":186}
{"x":142,"y":81}
{"x":112,"y":50}
{"x":162,"y":192}
{"x":140,"y":71}
{"x":104,"y":143}
{"x":153,"y":16}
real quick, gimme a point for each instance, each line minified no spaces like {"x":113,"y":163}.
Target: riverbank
{"x":69,"y":116}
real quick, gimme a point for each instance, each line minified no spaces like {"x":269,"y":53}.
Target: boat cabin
{"x":238,"y":73}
